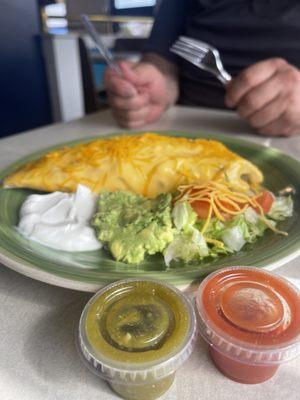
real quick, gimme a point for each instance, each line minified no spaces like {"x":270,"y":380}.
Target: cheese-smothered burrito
{"x":147,"y":164}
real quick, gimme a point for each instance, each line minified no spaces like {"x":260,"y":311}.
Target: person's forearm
{"x":170,"y":72}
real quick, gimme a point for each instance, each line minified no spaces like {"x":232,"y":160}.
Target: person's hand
{"x":267,"y":95}
{"x":139,"y":96}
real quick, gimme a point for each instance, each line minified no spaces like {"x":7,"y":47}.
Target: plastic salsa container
{"x":251,"y":319}
{"x":135,"y":334}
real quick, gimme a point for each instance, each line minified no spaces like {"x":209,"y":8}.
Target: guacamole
{"x":133,"y":226}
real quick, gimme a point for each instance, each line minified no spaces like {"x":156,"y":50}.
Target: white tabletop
{"x":38,"y":357}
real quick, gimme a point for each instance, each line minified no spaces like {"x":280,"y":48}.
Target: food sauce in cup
{"x":251,"y":319}
{"x":135,"y":334}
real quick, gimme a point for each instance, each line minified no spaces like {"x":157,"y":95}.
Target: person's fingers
{"x":126,"y":68}
{"x":125,"y":122}
{"x":131,"y":119}
{"x":137,"y":119}
{"x":269,"y":113}
{"x":154,"y":114}
{"x":251,"y":77}
{"x":134,"y":103}
{"x":129,"y":72}
{"x":131,"y":124}
{"x":260,"y":96}
{"x":127,"y":64}
{"x":141,"y":75}
{"x":132,"y":81}
{"x":132,"y":115}
{"x":119,"y":87}
{"x":279,"y":127}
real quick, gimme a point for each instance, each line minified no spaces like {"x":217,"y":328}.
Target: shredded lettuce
{"x":183,"y":215}
{"x":234,"y":238}
{"x":214,"y":230}
{"x":251,"y":215}
{"x":187,"y":246}
{"x":250,"y":227}
{"x":236,"y":233}
{"x":223,"y":237}
{"x":281,"y":208}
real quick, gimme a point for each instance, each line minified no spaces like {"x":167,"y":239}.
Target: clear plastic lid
{"x":137,"y":331}
{"x":250,"y":315}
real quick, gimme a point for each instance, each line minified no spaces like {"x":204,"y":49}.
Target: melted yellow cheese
{"x":147,"y":164}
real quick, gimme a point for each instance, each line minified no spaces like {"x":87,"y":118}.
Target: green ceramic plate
{"x":91,"y":270}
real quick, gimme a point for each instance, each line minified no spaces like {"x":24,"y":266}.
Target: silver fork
{"x":106,"y":54}
{"x":202,"y":55}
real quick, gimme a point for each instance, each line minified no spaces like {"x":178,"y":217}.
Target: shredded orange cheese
{"x":223,"y":201}
{"x":147,"y":164}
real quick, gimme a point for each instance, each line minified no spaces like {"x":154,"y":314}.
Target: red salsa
{"x":251,"y":319}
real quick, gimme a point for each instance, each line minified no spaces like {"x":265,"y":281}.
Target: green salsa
{"x":137,"y":325}
{"x":148,"y":391}
{"x":107,"y":330}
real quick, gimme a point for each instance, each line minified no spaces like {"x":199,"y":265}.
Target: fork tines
{"x":202,"y":55}
{"x":187,"y":49}
{"x":205,"y":47}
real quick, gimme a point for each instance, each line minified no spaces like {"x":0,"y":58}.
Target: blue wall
{"x":24,"y":98}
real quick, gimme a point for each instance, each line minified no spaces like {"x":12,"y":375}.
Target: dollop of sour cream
{"x":61,"y":220}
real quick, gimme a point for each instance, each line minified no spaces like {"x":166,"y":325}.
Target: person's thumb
{"x":137,"y":74}
{"x":128,"y":71}
{"x":119,"y":84}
